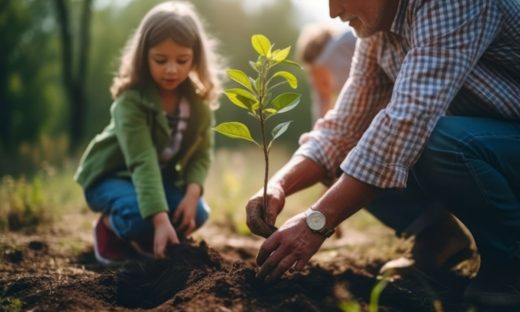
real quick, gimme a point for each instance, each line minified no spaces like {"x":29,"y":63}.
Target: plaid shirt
{"x":459,"y":57}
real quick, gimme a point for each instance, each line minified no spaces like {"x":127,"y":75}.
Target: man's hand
{"x":164,"y":234}
{"x":260,"y":219}
{"x":292,"y":245}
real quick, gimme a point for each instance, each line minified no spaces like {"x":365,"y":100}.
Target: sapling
{"x":258,"y":96}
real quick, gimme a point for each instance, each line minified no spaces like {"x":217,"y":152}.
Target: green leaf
{"x":280,"y":129}
{"x":241,"y":98}
{"x":258,"y":85}
{"x":262,"y":45}
{"x":280,"y":55}
{"x":350,"y":306}
{"x":286,"y":101}
{"x":253,"y":83}
{"x":255,"y":107}
{"x":269,"y":112}
{"x":375,"y":294}
{"x":240,"y":77}
{"x":253,"y":66}
{"x":292,"y":63}
{"x":291,"y":79}
{"x":235,"y":130}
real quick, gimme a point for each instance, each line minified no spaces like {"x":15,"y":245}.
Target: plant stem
{"x":262,"y":95}
{"x":266,"y":159}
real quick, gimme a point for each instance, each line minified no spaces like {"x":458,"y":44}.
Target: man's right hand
{"x":261,"y":219}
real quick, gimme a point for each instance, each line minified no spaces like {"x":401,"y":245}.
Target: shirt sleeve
{"x":365,"y":92}
{"x":133,"y":135}
{"x":447,"y":39}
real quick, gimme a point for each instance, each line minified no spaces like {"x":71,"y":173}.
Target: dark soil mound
{"x":194,"y":278}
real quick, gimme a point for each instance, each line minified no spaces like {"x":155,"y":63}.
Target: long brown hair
{"x":177,"y":21}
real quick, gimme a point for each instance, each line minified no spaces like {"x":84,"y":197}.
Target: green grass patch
{"x":27,"y":203}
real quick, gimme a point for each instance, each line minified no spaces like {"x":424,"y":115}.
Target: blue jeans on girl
{"x":117,"y":198}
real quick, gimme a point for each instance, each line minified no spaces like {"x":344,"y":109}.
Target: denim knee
{"x":442,"y":157}
{"x":127,"y":222}
{"x":203,"y":212}
{"x":469,"y":163}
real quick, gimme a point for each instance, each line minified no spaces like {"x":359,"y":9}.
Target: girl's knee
{"x":203,"y":212}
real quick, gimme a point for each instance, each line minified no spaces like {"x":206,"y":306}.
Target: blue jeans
{"x":471,"y":166}
{"x":117,"y":198}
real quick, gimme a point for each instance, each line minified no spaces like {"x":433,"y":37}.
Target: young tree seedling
{"x":258,"y":97}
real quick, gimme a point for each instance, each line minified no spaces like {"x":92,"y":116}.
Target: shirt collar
{"x":399,"y":19}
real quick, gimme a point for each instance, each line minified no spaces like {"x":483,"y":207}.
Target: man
{"x":432,"y":107}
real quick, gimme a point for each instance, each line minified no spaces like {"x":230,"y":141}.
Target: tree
{"x":74,"y":65}
{"x":26,"y":71}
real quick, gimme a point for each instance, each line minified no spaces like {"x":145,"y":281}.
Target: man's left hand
{"x":292,"y":245}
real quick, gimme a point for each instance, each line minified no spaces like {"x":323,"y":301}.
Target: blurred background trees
{"x":58,"y":57}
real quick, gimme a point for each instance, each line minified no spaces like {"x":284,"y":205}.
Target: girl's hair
{"x":177,"y":21}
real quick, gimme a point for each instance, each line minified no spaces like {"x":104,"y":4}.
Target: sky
{"x":307,"y":10}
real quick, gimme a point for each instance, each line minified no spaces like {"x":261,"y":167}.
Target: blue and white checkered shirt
{"x":440,"y":57}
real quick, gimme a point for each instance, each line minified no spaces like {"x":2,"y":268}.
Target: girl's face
{"x":170,"y":64}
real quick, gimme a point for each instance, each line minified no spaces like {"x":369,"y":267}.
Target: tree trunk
{"x":74,"y":80}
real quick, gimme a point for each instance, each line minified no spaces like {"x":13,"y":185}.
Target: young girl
{"x":145,"y":172}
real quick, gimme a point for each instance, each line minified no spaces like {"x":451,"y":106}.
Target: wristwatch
{"x":316,"y":222}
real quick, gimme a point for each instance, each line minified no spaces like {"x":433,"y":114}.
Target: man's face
{"x":366,"y":17}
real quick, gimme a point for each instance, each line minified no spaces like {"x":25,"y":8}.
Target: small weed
{"x":23,"y":205}
{"x":9,"y":304}
{"x":27,"y":203}
{"x":354,"y":306}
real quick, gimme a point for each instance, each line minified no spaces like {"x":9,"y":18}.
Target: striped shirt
{"x":178,"y":123}
{"x":459,"y":57}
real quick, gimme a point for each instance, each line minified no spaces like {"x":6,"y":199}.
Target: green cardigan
{"x":137,"y":132}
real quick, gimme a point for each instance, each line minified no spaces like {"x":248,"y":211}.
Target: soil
{"x":215,"y":271}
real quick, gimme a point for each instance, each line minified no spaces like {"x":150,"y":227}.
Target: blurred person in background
{"x":326,"y":54}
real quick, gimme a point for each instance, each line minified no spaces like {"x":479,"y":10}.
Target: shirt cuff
{"x":316,"y":154}
{"x":383,"y":175}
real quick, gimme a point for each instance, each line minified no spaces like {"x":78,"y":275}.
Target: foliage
{"x":23,"y":205}
{"x":30,"y":94}
{"x":354,"y":306}
{"x":33,"y":102}
{"x":376,"y":293}
{"x":26,"y":204}
{"x":10,"y":304}
{"x":257,"y":97}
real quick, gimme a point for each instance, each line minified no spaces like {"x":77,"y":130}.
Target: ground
{"x":54,"y":269}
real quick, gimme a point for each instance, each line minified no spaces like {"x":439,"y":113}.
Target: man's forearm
{"x":299,"y":173}
{"x":345,"y":198}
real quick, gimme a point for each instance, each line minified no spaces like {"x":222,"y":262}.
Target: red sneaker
{"x":108,"y":247}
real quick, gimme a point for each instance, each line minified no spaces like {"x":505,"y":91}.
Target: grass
{"x":26,"y":203}
{"x":235,"y":175}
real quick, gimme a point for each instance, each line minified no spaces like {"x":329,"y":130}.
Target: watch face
{"x":315,"y":220}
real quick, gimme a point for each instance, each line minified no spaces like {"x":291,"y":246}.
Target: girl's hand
{"x":184,"y":216}
{"x":164,"y":234}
